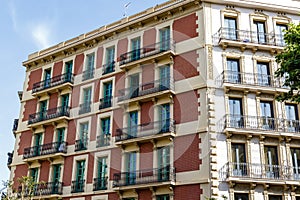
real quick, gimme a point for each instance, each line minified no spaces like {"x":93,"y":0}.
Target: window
{"x":43,"y":110}
{"x":164,"y":37}
{"x":280,"y":31}
{"x":239,"y":164}
{"x":164,"y":115}
{"x":47,"y":78}
{"x":68,"y":70}
{"x":107,"y":95}
{"x":37,"y":144}
{"x":236,"y":113}
{"x":110,"y":61}
{"x":266,"y":111}
{"x":61,"y":146}
{"x":101,"y":180}
{"x":291,"y":114}
{"x":85,"y":107}
{"x":78,"y":184}
{"x":104,"y":138}
{"x":240,"y":196}
{"x":34,"y":172}
{"x":89,"y":67}
{"x":271,"y":162}
{"x":275,"y":197}
{"x":230,"y":28}
{"x":56,"y":185}
{"x":130,"y":166}
{"x":134,"y":85}
{"x":164,"y":75}
{"x":132,"y":124}
{"x":260,"y":32}
{"x":233,"y":71}
{"x":163,"y":163}
{"x":81,"y":143}
{"x":64,"y":104}
{"x":163,"y":197}
{"x":135,"y":48}
{"x":263,"y":74}
{"x":295,"y":153}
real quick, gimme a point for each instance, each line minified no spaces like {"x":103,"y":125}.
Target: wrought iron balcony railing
{"x":85,"y":107}
{"x":166,"y":174}
{"x":88,"y":74}
{"x":106,"y":102}
{"x":259,"y":123}
{"x":49,"y":114}
{"x":78,"y":186}
{"x":147,"y":51}
{"x":103,"y":140}
{"x":147,"y":129}
{"x":16,"y":123}
{"x":81,"y":144}
{"x":249,"y":37}
{"x":100,"y":183}
{"x":259,"y":171}
{"x":263,"y":80}
{"x":145,"y":89}
{"x":42,"y":189}
{"x":45,"y":149}
{"x":52,"y":82}
{"x":108,"y":68}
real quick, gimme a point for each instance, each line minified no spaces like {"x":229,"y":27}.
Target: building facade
{"x":175,"y":102}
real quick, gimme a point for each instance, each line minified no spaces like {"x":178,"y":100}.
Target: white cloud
{"x":41,"y":35}
{"x":13,"y":15}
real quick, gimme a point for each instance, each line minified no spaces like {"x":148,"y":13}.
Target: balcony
{"x":46,"y":150}
{"x":103,"y":140}
{"x":248,"y":39}
{"x":42,"y":189}
{"x":249,"y":81}
{"x":100,"y":183}
{"x":142,"y":55}
{"x":15,"y":126}
{"x":49,"y":115}
{"x":144,"y":132}
{"x":258,"y":123}
{"x":85,"y":108}
{"x":146,"y":91}
{"x":88,"y":74}
{"x":51,"y":85}
{"x":108,"y":68}
{"x":249,"y":172}
{"x":105,"y":102}
{"x":144,"y":178}
{"x":81,"y":144}
{"x":78,"y":186}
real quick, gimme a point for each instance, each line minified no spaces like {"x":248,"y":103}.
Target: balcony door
{"x":37,"y":143}
{"x":266,"y":111}
{"x":130,"y":168}
{"x":107,"y":93}
{"x":291,"y":114}
{"x":164,"y":78}
{"x":263,"y":74}
{"x":164,"y":37}
{"x":105,"y":132}
{"x":230,"y":28}
{"x":64,"y":103}
{"x":47,"y":78}
{"x":164,"y":163}
{"x":295,"y":153}
{"x":83,"y":135}
{"x":43,"y":110}
{"x":80,"y":175}
{"x":135,"y":47}
{"x":260,"y":32}
{"x":102,"y":173}
{"x":134,"y":85}
{"x":280,"y":31}
{"x":272,"y":168}
{"x":236,"y":114}
{"x":68,"y":70}
{"x":132,"y":124}
{"x":233,"y":71}
{"x":164,"y":116}
{"x":239,"y":165}
{"x":34,"y":172}
{"x":56,"y":179}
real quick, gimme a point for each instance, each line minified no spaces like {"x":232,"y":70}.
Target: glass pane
{"x":132,"y":124}
{"x":230,"y":26}
{"x":260,"y":32}
{"x":263,"y":74}
{"x":233,"y":71}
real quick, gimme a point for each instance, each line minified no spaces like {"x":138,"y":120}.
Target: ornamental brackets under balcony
{"x":152,"y":131}
{"x":50,"y":116}
{"x":143,"y":55}
{"x":54,"y":84}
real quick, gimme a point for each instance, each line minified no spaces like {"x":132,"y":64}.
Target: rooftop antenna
{"x":125,"y":9}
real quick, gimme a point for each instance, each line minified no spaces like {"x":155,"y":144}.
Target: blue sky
{"x":31,"y":25}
